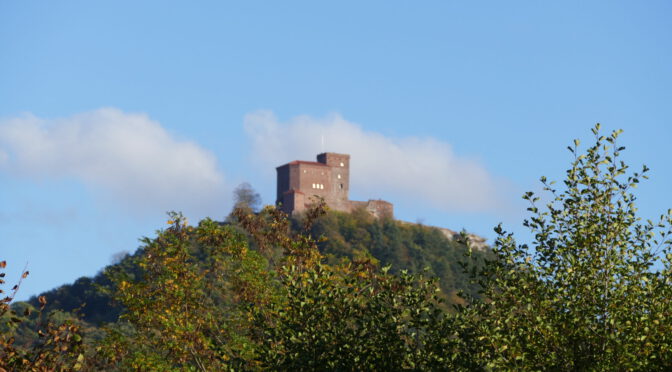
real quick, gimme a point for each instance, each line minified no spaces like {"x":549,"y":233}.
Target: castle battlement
{"x":328,"y":178}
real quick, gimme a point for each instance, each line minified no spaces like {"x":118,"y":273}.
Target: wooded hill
{"x":357,"y":235}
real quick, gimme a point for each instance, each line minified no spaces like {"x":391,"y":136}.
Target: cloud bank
{"x":127,"y":157}
{"x":413,"y":169}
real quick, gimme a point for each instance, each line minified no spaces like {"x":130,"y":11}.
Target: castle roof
{"x":296,"y":162}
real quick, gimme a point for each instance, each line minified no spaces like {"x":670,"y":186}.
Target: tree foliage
{"x":347,"y":316}
{"x":402,"y":246}
{"x":245,"y":197}
{"x":198,"y":283}
{"x":57,"y":347}
{"x":217,"y":305}
{"x":592,"y":292}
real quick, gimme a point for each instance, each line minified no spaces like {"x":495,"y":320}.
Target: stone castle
{"x":329,"y":178}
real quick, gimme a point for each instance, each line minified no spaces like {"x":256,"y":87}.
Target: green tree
{"x":402,"y":246}
{"x":186,"y":310}
{"x":592,"y":292}
{"x":244,"y":196}
{"x":204,"y":301}
{"x":354,"y":317}
{"x":57,"y":347}
{"x":348,"y":316}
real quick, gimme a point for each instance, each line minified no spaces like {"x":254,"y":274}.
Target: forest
{"x":346,"y":292}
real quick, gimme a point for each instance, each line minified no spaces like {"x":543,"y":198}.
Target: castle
{"x":329,"y":178}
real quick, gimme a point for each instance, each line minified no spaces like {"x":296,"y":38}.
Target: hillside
{"x":356,"y":235}
{"x":401,"y":245}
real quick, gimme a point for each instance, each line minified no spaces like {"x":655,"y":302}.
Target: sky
{"x":113,"y":113}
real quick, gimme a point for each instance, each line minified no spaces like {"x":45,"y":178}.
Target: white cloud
{"x":416,"y":169}
{"x":129,"y":157}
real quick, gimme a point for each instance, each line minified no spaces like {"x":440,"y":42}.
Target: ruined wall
{"x":380,"y":208}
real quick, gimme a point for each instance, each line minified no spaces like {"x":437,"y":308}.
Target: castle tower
{"x":340,"y":177}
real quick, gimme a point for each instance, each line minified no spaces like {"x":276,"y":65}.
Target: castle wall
{"x":282,"y":184}
{"x":328,"y":178}
{"x":293,"y":202}
{"x":308,"y":177}
{"x":340,"y":177}
{"x":314,"y":179}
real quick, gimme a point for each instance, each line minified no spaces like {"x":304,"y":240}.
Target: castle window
{"x":321,"y":186}
{"x":313,"y":185}
{"x":305,"y":171}
{"x":342,"y":165}
{"x":340,"y":186}
{"x":339,"y":176}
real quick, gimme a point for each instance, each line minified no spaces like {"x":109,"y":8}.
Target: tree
{"x":355,"y":317}
{"x":187,"y":307}
{"x":244,"y":196}
{"x":215,"y":304}
{"x":348,"y":316}
{"x":592,"y":292}
{"x":57,"y":347}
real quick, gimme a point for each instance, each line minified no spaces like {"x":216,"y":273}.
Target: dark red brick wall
{"x":340,"y":176}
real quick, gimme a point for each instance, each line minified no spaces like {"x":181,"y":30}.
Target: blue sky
{"x":112,"y":113}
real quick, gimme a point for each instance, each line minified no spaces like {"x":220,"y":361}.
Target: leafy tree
{"x":347,"y":316}
{"x":354,"y":317}
{"x":58,"y":346}
{"x":215,"y":304}
{"x":196,"y":283}
{"x":402,"y":246}
{"x":592,"y":293}
{"x":88,"y":297}
{"x":244,"y":196}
